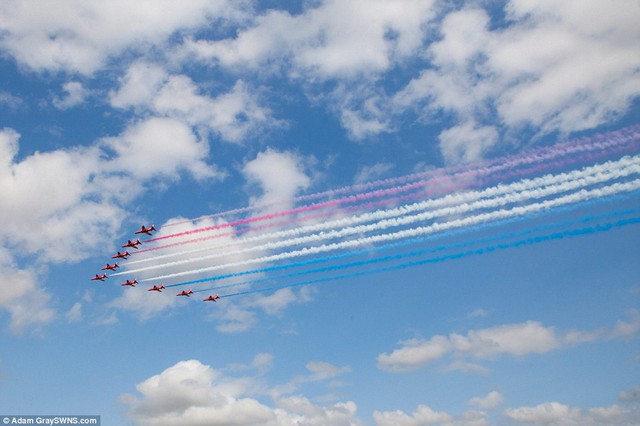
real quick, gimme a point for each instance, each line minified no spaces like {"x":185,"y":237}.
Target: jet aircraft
{"x":111,"y":267}
{"x":185,"y":293}
{"x":211,"y":298}
{"x":132,"y":244}
{"x":119,"y":255}
{"x":145,"y":230}
{"x":156,"y":288}
{"x":99,"y":277}
{"x":130,"y":283}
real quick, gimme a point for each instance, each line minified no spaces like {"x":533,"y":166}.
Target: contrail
{"x":578,"y":196}
{"x":500,"y":164}
{"x":487,"y":249}
{"x":516,"y":192}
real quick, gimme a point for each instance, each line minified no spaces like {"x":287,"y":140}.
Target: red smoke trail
{"x":599,"y":141}
{"x":432,"y":191}
{"x":470,"y":174}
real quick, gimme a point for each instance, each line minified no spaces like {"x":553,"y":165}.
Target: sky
{"x":414,"y":212}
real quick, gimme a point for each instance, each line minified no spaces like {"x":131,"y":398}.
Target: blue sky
{"x":115,"y":114}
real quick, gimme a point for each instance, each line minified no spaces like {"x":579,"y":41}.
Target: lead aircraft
{"x":99,"y":277}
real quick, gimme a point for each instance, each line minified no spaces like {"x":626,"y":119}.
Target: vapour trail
{"x":444,"y":247}
{"x":596,"y":142}
{"x":487,"y":249}
{"x":578,"y":196}
{"x":501,"y":164}
{"x":296,"y":220}
{"x":500,"y":196}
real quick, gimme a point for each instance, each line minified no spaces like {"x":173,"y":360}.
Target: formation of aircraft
{"x":132,"y":283}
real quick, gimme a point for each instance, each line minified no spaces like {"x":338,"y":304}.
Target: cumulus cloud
{"x":233,"y":115}
{"x":280,"y":175}
{"x":332,"y":40}
{"x":20,"y":295}
{"x":74,"y":94}
{"x":159,"y":147}
{"x":76,"y":36}
{"x":190,"y":393}
{"x":516,"y":340}
{"x":50,"y":195}
{"x":548,"y":68}
{"x":625,"y":412}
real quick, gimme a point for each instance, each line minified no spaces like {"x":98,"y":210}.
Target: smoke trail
{"x":501,"y":164}
{"x":349,"y":210}
{"x":287,"y":238}
{"x":597,"y":142}
{"x":489,"y":248}
{"x":399,"y":256}
{"x":581,"y":195}
{"x":534,"y":188}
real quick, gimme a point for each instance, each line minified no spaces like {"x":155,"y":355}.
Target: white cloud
{"x":22,"y":297}
{"x":190,"y":393}
{"x":368,"y":174}
{"x":550,"y":67}
{"x":74,"y":94}
{"x":517,"y":340}
{"x":232,"y":115}
{"x":333,"y":40}
{"x":280,"y":175}
{"x":75,"y":313}
{"x":65,"y":179}
{"x":425,"y":415}
{"x":139,"y":86}
{"x":159,"y":147}
{"x":76,"y":36}
{"x":466,"y":142}
{"x":625,"y":412}
{"x":487,"y":402}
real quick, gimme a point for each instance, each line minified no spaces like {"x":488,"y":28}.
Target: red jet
{"x":131,"y":283}
{"x":119,"y":255}
{"x":132,"y":244}
{"x":144,"y":230}
{"x":99,"y":277}
{"x":156,"y":288}
{"x":111,"y":267}
{"x":185,"y":293}
{"x":211,"y":298}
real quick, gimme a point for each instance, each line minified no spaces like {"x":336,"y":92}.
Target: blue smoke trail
{"x":487,"y":249}
{"x":415,"y":253}
{"x":400,"y":244}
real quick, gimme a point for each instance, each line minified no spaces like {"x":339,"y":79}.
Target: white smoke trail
{"x":572,"y":180}
{"x":578,"y":196}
